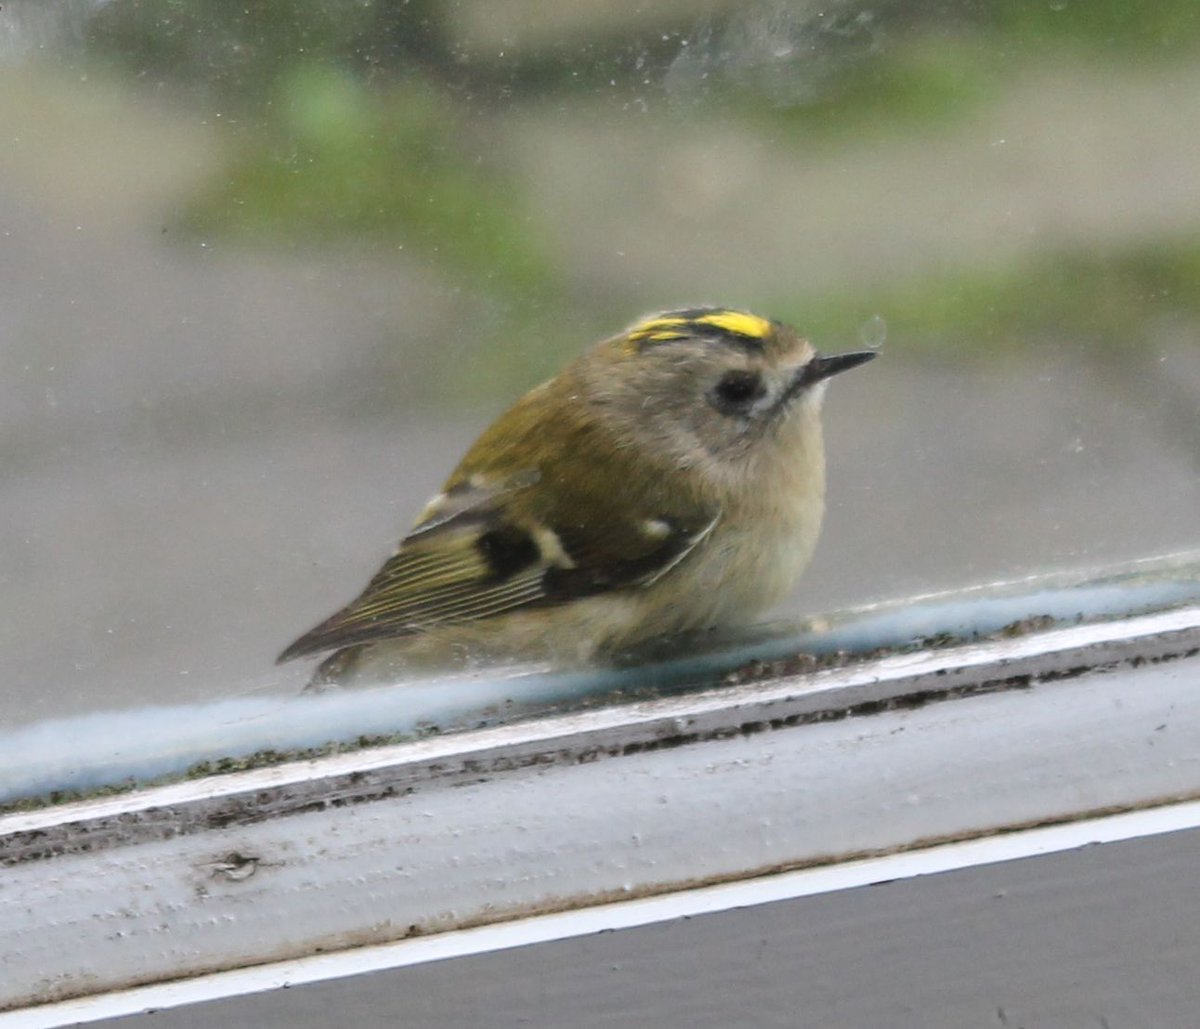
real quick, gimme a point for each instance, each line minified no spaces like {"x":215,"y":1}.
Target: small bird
{"x":670,"y":479}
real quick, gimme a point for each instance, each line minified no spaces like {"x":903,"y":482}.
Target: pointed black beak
{"x":821,"y":367}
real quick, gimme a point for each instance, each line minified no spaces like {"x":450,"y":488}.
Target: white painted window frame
{"x":896,"y":764}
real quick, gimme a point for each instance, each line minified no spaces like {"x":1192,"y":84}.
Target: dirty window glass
{"x":267,"y":269}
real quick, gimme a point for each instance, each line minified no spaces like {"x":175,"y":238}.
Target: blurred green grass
{"x":1105,"y":303}
{"x":920,"y":82}
{"x":1152,"y":28}
{"x":1106,"y":299}
{"x":391,"y":165}
{"x":365,"y":124}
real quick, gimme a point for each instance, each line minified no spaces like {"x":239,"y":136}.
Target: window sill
{"x":896,"y":764}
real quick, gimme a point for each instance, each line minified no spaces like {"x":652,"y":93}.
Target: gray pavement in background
{"x":201,"y":453}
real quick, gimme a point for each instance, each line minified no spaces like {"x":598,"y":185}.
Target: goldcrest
{"x":670,"y":479}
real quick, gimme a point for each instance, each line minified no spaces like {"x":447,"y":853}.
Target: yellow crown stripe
{"x":655,"y":326}
{"x":738,"y":322}
{"x":675,"y":326}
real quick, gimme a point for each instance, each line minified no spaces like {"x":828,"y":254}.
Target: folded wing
{"x":480,"y":551}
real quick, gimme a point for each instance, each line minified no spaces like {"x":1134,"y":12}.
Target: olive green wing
{"x":478,"y":552}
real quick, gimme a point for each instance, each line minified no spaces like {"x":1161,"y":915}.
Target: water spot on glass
{"x":873,"y":332}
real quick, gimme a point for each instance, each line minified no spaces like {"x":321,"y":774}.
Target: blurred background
{"x":266,"y":269}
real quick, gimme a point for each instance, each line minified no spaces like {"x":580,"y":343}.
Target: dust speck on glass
{"x":266,"y":270}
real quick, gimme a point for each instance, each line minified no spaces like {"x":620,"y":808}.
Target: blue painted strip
{"x":93,"y":751}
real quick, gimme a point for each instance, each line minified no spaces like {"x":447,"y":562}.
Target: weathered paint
{"x":883,"y":757}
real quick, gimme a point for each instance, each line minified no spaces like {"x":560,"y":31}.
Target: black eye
{"x":736,"y":391}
